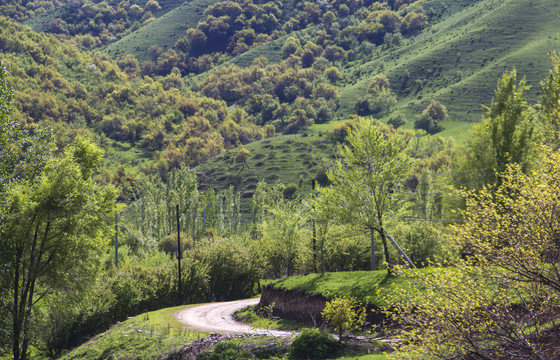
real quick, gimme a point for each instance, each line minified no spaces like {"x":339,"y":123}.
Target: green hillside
{"x":164,"y":31}
{"x":289,"y":159}
{"x":41,"y":22}
{"x":456,"y":60}
{"x":459,"y":59}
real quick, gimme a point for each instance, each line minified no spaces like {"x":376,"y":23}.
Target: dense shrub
{"x":340,"y":130}
{"x":396,"y":120}
{"x":233,"y":271}
{"x":132,"y":289}
{"x":422,"y":242}
{"x":312,"y":344}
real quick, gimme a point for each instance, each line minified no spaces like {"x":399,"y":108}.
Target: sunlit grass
{"x":146,"y":336}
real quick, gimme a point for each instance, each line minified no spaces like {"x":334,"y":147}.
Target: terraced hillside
{"x":290,"y":159}
{"x":459,"y":59}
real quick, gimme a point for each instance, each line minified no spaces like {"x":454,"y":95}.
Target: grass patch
{"x":365,"y":286}
{"x":119,"y":153}
{"x":164,"y":31}
{"x":146,"y":336}
{"x":252,"y":316}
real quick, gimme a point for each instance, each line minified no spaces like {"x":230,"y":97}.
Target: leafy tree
{"x":503,"y":137}
{"x":333,"y":74}
{"x":345,"y":314}
{"x":431,"y":117}
{"x":291,"y":46}
{"x":284,"y":231}
{"x":548,"y":109}
{"x":501,"y":301}
{"x":233,"y":270}
{"x":414,"y":21}
{"x":396,"y":120}
{"x":8,"y":129}
{"x":367,"y":178}
{"x":378,"y":83}
{"x":52,"y":230}
{"x":241,"y":157}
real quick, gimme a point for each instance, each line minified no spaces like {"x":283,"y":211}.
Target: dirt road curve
{"x":218,"y":318}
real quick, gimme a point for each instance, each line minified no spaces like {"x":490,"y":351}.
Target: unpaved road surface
{"x":218,"y":318}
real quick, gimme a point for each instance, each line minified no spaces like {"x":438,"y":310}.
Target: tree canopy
{"x":53,"y":229}
{"x":367,"y":178}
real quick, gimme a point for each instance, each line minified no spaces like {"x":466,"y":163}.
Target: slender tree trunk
{"x":15,"y":311}
{"x":386,"y":250}
{"x":372,"y":239}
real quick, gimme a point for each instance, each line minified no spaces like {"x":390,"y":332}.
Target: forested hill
{"x":167,"y":84}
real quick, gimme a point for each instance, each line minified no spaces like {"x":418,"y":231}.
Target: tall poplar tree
{"x":503,"y":137}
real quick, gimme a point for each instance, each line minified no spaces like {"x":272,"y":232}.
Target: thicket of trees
{"x":508,"y":242}
{"x":56,"y":220}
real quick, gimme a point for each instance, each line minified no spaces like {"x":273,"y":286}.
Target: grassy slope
{"x":363,"y":285}
{"x":459,"y":59}
{"x":293,"y":162}
{"x":164,"y":31}
{"x":146,"y":336}
{"x":119,"y":153}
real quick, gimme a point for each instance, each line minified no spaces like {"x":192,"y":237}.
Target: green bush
{"x":225,"y":350}
{"x":422,"y":242}
{"x":119,"y":293}
{"x":233,"y":271}
{"x":313,"y":344}
{"x":290,"y":190}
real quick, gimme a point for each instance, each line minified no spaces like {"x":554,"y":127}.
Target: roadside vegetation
{"x":296,"y":145}
{"x":149,"y":335}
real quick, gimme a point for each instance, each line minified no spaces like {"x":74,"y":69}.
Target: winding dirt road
{"x":218,"y":318}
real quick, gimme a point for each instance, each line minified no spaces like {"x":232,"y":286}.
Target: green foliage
{"x":241,"y":157}
{"x":549,"y":110}
{"x":344,"y":314}
{"x":53,"y":230}
{"x":138,"y":285}
{"x":512,"y":262}
{"x":284,"y":242}
{"x":290,"y":190}
{"x":312,"y":344}
{"x":423,"y":242}
{"x":146,"y":336}
{"x":504,"y":136}
{"x":233,"y":270}
{"x":340,"y":130}
{"x":375,"y":164}
{"x":227,"y":350}
{"x":8,"y":129}
{"x":247,"y":348}
{"x":431,"y":117}
{"x":396,"y":121}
